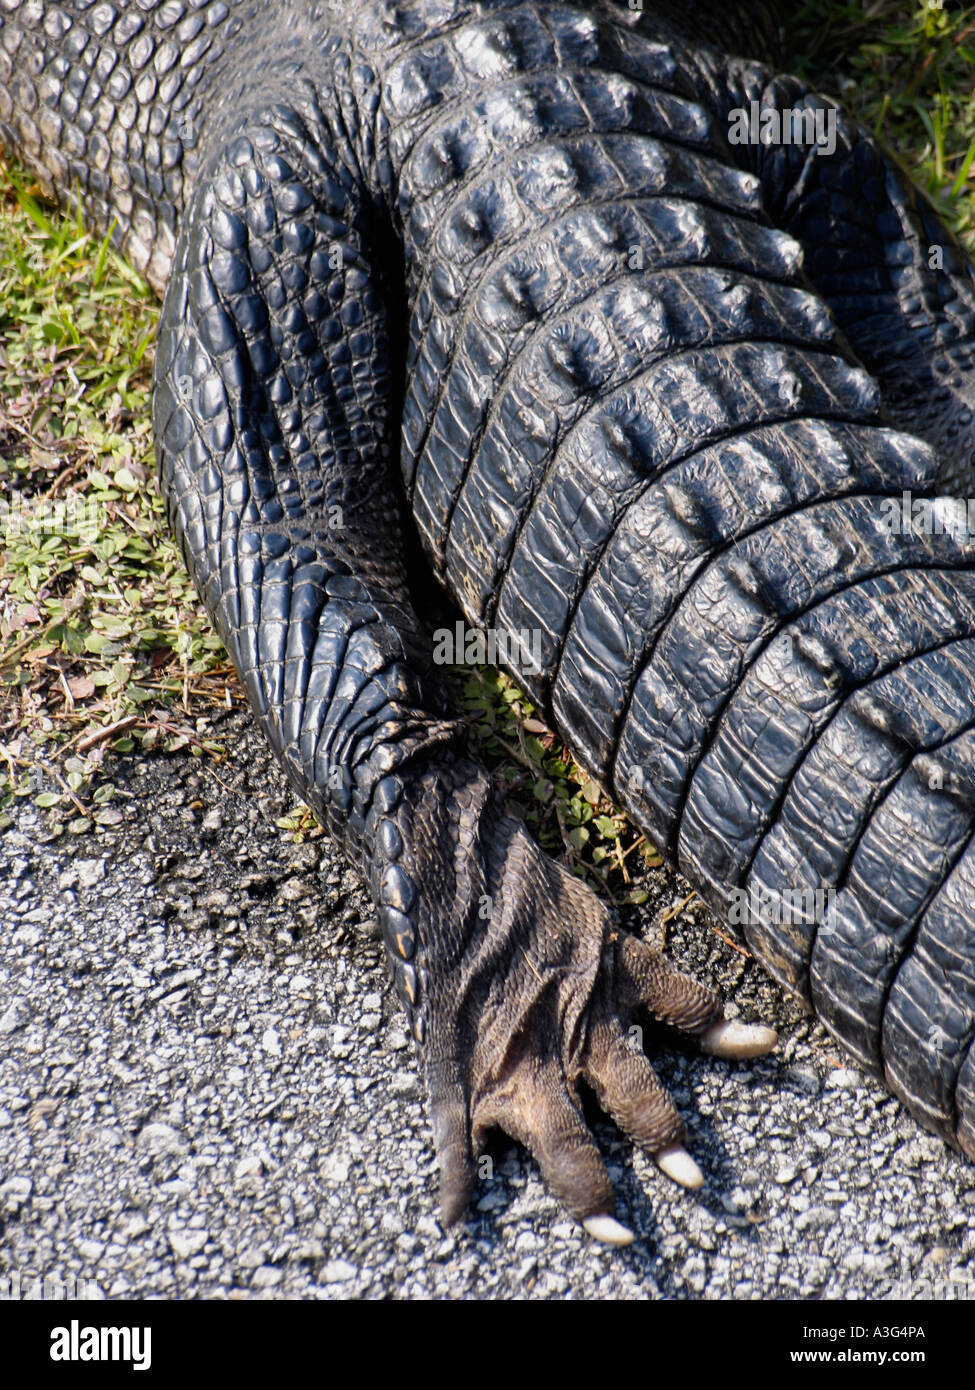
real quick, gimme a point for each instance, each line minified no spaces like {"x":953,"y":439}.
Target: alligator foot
{"x":527,"y":1081}
{"x":529,"y":994}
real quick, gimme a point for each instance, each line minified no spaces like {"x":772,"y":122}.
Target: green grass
{"x":99,"y":623}
{"x":103,"y":644}
{"x":907,"y":71}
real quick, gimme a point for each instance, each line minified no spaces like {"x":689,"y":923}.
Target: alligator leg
{"x":276,"y":426}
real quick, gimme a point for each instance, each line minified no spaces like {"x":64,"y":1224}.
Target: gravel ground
{"x":207,"y":1090}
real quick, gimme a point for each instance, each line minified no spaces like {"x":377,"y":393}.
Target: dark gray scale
{"x":927,"y":1047}
{"x":734,"y":610}
{"x":525,"y":297}
{"x":502,"y":205}
{"x":700,"y":506}
{"x":629,"y":433}
{"x":605,"y":340}
{"x":531,"y":286}
{"x":789,"y":696}
{"x":827,"y":801}
{"x":688,"y":401}
{"x":623,"y":170}
{"x":635,"y":324}
{"x":912,"y":843}
{"x":396,"y":893}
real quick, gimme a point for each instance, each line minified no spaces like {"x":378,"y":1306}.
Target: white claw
{"x":608,"y":1230}
{"x":678,"y":1164}
{"x":729,"y":1038}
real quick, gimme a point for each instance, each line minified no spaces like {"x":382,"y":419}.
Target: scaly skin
{"x":496,"y":272}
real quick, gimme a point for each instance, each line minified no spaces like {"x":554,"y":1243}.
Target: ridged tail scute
{"x":633,"y":428}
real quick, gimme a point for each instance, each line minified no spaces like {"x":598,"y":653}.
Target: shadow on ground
{"x":207,"y":1090}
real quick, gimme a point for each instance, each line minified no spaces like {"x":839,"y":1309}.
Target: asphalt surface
{"x":207,"y":1090}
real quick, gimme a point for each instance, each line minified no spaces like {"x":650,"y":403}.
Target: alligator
{"x":629,"y":342}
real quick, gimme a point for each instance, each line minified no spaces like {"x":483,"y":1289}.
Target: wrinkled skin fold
{"x":494,"y":278}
